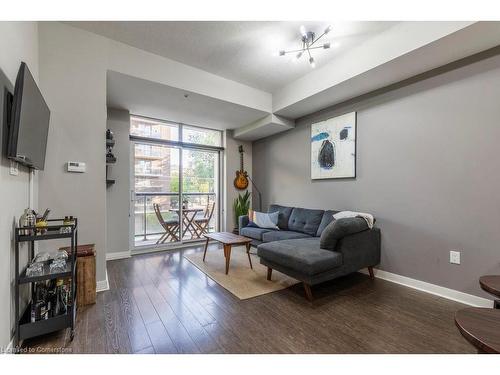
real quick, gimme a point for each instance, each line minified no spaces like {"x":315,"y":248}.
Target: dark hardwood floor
{"x":161,"y":303}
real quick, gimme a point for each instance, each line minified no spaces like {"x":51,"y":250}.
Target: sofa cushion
{"x":276,"y":235}
{"x":253,"y":232}
{"x":284,"y":215}
{"x":340,"y":228}
{"x":263,"y":220}
{"x":302,"y":255}
{"x":325,"y":220}
{"x":305,"y":220}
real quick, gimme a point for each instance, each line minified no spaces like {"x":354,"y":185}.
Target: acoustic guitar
{"x":241,"y":180}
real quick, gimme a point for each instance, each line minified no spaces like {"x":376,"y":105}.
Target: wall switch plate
{"x":455,"y":257}
{"x":14,"y":168}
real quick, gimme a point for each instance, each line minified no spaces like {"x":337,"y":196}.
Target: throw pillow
{"x":340,"y":228}
{"x":263,"y":220}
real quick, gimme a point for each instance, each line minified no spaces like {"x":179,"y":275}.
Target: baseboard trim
{"x":441,"y":291}
{"x":118,"y":255}
{"x":102,"y":285}
{"x":9,"y":348}
{"x":159,"y":248}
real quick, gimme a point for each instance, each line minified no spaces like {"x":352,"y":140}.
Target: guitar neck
{"x":241,"y":161}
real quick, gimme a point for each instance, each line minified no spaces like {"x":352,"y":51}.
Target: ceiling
{"x":241,"y":51}
{"x":152,"y":99}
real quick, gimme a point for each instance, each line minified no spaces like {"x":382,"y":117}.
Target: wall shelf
{"x":110,"y":158}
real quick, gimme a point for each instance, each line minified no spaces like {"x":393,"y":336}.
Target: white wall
{"x":73,"y":79}
{"x":18,"y":42}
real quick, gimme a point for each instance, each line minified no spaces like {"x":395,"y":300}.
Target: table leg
{"x":205,"y":252}
{"x":189,"y":224}
{"x":248,"y":254}
{"x":227,"y":252}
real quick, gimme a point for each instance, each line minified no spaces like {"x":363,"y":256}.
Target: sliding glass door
{"x":176,"y":172}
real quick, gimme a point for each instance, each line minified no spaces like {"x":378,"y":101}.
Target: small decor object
{"x":109,"y":134}
{"x":333,"y":148}
{"x":241,"y":180}
{"x":264,"y":220}
{"x":27,"y":219}
{"x":41,"y":226}
{"x":240,"y":207}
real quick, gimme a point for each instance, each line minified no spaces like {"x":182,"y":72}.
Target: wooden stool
{"x":85,"y":274}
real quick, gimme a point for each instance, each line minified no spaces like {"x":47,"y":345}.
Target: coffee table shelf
{"x":491,"y":284}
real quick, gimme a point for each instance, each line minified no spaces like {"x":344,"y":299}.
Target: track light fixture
{"x":309,"y":42}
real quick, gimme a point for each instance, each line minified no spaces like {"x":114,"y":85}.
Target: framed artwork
{"x":333,"y":147}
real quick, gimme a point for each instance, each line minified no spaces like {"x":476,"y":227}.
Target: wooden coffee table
{"x":228,"y":239}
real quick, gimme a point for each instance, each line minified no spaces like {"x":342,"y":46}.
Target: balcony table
{"x":188,"y":215}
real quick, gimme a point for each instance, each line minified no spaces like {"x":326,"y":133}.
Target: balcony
{"x":147,"y":227}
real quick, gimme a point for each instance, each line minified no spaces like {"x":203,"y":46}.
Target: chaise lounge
{"x":313,"y":247}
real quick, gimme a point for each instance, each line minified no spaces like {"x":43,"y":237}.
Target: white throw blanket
{"x":368,"y":217}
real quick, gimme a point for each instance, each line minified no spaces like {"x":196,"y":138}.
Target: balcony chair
{"x":202,"y":222}
{"x":171,"y":226}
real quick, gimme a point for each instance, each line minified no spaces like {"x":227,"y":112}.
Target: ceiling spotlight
{"x":309,"y":42}
{"x":303,"y":31}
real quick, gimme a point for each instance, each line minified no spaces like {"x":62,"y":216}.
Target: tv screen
{"x":29,"y":125}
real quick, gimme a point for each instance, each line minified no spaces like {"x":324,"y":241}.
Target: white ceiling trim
{"x":382,"y":48}
{"x":464,"y":42}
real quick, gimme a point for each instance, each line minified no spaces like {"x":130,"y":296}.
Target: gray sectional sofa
{"x":299,"y":250}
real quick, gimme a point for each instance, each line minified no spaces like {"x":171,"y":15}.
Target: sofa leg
{"x":269,"y":273}
{"x":370,"y":271}
{"x":307,"y":289}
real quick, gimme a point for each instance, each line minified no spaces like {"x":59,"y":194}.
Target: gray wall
{"x":231,"y":165}
{"x":118,"y":194}
{"x":18,"y":42}
{"x":427,"y":168}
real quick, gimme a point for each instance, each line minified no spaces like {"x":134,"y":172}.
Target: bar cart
{"x":25,"y":327}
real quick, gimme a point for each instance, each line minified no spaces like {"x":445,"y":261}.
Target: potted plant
{"x":241,"y":205}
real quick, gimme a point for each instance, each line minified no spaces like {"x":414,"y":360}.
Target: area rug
{"x":242,"y":281}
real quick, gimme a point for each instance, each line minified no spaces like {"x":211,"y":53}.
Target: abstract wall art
{"x":333,"y":147}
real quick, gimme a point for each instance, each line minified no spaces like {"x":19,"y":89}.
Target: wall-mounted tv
{"x":29,"y":125}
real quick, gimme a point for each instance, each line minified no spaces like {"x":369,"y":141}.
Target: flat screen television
{"x":29,"y":125}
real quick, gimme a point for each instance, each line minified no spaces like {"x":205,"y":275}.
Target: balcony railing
{"x":147,"y":227}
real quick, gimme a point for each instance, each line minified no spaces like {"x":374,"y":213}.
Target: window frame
{"x":180,"y":142}
{"x":134,"y":139}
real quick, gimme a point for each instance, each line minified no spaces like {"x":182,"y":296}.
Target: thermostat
{"x":76,"y":167}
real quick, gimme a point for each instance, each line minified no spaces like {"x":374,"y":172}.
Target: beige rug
{"x":242,"y":281}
